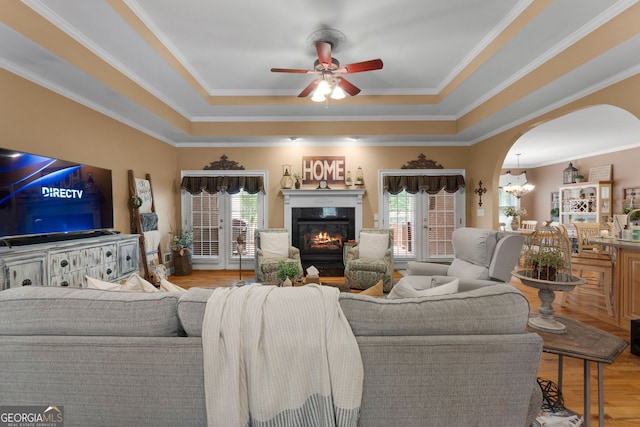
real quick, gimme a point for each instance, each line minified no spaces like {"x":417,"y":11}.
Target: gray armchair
{"x":374,"y":262}
{"x":272,"y":248}
{"x":480,"y":257}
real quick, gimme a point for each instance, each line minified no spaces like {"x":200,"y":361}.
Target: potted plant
{"x":555,"y":213}
{"x":287,"y":271}
{"x":181,"y":248}
{"x":578,"y":178}
{"x":545,"y":263}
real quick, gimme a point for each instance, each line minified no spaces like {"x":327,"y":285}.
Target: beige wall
{"x":371,"y":159}
{"x":36,"y":120}
{"x":487,"y":156}
{"x":548,"y":178}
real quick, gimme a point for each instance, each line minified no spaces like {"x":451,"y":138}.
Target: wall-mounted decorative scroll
{"x":422,"y":163}
{"x":224,"y":165}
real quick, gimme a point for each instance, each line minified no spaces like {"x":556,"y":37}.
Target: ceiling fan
{"x":330,"y":80}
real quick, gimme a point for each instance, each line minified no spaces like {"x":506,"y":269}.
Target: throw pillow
{"x":374,"y":291}
{"x":427,"y":286}
{"x":101,"y":284}
{"x":138,"y":283}
{"x":167,"y":286}
{"x":373,"y":245}
{"x":274,"y":245}
{"x":134,"y":283}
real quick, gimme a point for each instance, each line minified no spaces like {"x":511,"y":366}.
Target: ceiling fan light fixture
{"x":323,"y":87}
{"x":318,"y":96}
{"x":338,"y":93}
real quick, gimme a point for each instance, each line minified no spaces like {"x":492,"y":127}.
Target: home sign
{"x":323,"y":168}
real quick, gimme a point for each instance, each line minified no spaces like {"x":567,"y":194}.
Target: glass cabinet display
{"x":586,"y":202}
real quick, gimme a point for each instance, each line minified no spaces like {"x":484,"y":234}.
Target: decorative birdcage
{"x":547,"y":267}
{"x":547,"y":255}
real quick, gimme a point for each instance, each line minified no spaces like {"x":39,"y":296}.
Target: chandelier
{"x":520,"y":187}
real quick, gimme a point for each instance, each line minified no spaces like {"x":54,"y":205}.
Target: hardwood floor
{"x":621,"y":379}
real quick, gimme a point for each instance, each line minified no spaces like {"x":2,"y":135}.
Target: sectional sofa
{"x":135,"y":359}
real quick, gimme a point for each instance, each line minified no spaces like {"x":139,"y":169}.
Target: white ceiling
{"x":200,"y":59}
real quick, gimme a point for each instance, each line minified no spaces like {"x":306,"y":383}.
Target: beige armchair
{"x":480,"y":257}
{"x":371,"y":260}
{"x":272,"y":248}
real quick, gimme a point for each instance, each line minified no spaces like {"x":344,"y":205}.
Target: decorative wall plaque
{"x":224,"y":165}
{"x":422,"y":163}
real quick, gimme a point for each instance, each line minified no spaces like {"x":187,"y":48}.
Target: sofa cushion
{"x":474,"y":245}
{"x":466,"y":270}
{"x":191,"y":307}
{"x":44,"y":310}
{"x":495,"y":309}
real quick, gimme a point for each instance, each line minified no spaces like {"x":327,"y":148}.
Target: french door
{"x":217,"y":220}
{"x":422,"y":223}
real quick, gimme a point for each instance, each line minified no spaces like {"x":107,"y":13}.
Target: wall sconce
{"x":480,"y":191}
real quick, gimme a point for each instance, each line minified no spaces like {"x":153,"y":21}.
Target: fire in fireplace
{"x":319,"y":233}
{"x":323,"y":240}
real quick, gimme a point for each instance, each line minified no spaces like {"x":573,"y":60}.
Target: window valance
{"x":229,"y":184}
{"x":431,"y":184}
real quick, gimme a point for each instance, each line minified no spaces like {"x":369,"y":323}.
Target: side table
{"x":590,"y":344}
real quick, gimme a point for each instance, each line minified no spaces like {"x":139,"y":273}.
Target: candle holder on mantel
{"x":287,"y":181}
{"x":348,"y":181}
{"x":547,"y":267}
{"x":359,"y":176}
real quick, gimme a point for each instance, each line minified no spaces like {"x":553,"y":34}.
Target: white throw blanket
{"x":280,"y":357}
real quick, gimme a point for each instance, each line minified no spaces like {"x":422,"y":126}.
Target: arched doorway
{"x":582,"y":137}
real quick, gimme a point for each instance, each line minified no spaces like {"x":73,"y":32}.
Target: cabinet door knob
{"x":26,"y":282}
{"x":65,"y":283}
{"x":109,"y":253}
{"x":109,"y":271}
{"x":128,"y":257}
{"x":64,"y":263}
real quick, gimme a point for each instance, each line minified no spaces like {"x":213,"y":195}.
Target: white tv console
{"x":108,"y":257}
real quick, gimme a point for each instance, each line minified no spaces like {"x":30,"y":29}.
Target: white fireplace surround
{"x":323,"y":199}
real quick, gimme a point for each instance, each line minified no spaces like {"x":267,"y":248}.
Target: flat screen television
{"x":41,"y":195}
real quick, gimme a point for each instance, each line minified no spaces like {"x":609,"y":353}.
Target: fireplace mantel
{"x":323,"y":199}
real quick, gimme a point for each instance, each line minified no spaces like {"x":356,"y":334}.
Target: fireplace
{"x":320,"y":233}
{"x":320,"y":222}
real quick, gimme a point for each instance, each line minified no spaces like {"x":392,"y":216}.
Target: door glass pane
{"x":205,"y":215}
{"x":402,"y":221}
{"x":244,"y":221}
{"x":442,"y":221}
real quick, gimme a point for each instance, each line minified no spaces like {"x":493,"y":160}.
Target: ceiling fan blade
{"x":324,"y":52}
{"x":291,"y":70}
{"x":358,"y":67}
{"x":348,"y":87}
{"x":307,"y":90}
